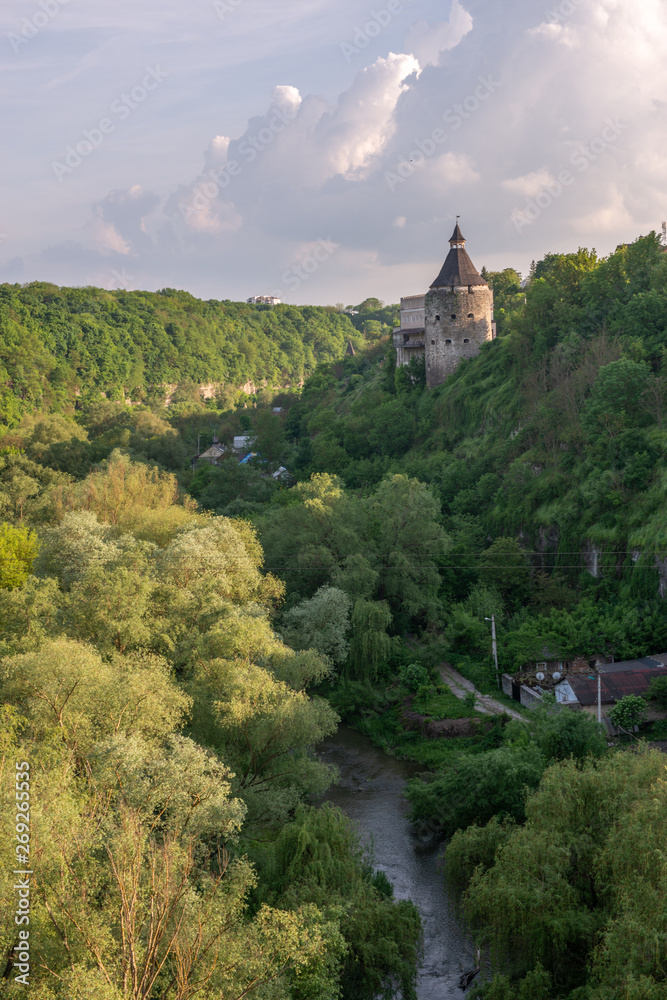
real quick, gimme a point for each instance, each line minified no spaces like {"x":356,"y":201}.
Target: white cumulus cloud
{"x":428,"y":41}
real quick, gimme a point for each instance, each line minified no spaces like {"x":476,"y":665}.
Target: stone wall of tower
{"x":457,"y":322}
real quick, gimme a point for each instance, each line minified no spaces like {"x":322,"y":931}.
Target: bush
{"x":414,"y":676}
{"x":561,"y":733}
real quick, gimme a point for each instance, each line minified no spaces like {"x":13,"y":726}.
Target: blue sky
{"x":321,"y":149}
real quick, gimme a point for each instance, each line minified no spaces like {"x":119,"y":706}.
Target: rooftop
{"x":458,"y":269}
{"x":614,"y":684}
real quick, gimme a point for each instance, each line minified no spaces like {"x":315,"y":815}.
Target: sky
{"x":320,"y":150}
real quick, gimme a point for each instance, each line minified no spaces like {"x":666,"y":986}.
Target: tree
{"x":535,"y":985}
{"x":310,"y":540}
{"x":29,"y":615}
{"x":505,"y":566}
{"x":409,"y":544}
{"x":507,"y":294}
{"x":264,"y":729}
{"x":370,"y":305}
{"x":658,"y":690}
{"x":112,"y":609}
{"x":321,"y":623}
{"x":476,"y":787}
{"x":141,"y":892}
{"x":370,"y":647}
{"x":628,"y":712}
{"x":411,"y":376}
{"x":562,"y":734}
{"x":317,"y":858}
{"x":65,"y":690}
{"x":270,"y":436}
{"x":616,"y":397}
{"x":81,"y":544}
{"x":223,"y":557}
{"x":654,"y":398}
{"x":581,"y":870}
{"x":18,"y":549}
{"x":133,"y":497}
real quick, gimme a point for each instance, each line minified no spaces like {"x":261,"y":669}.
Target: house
{"x":616,"y":681}
{"x":575,"y":683}
{"x":263,"y":300}
{"x":213,"y":454}
{"x":242,"y":442}
{"x":536,"y":677}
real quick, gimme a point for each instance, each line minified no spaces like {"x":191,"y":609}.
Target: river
{"x":370,"y":792}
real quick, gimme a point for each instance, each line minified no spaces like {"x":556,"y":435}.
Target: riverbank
{"x":370,"y":792}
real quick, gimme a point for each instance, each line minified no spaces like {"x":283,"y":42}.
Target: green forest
{"x":176,"y":636}
{"x":60,"y":345}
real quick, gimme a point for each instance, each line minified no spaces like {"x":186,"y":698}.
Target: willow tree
{"x":370,"y":646}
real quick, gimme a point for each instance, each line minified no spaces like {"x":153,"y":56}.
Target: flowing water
{"x":370,"y":792}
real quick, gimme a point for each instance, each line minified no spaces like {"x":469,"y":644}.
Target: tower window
{"x":453,"y":315}
{"x":433,"y":341}
{"x":470,"y":316}
{"x":448,"y":341}
{"x":465,"y":340}
{"x":469,"y":289}
{"x":437,"y":319}
{"x":406,"y":337}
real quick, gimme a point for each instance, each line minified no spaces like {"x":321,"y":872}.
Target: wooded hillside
{"x":57,"y":344}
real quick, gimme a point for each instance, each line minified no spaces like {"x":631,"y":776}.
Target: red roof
{"x":614,"y":685}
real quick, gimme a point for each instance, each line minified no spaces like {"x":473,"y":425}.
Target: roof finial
{"x":457,"y":239}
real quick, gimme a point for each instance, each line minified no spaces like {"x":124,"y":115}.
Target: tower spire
{"x":457,"y":239}
{"x":458,"y":271}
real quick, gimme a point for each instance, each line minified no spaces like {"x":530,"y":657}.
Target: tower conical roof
{"x":457,"y":236}
{"x":458,"y":269}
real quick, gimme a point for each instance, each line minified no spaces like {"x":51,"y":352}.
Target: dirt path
{"x":484,"y":703}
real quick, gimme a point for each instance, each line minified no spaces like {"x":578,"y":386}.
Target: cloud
{"x":119,"y":220}
{"x":222,"y":188}
{"x":428,"y":41}
{"x":604,"y":219}
{"x":531,"y":184}
{"x":453,"y":168}
{"x":107,"y":237}
{"x":554,"y":32}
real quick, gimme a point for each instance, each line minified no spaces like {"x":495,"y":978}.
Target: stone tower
{"x":458,"y":313}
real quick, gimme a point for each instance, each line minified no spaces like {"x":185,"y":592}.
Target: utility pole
{"x":494,"y":645}
{"x":599,"y":697}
